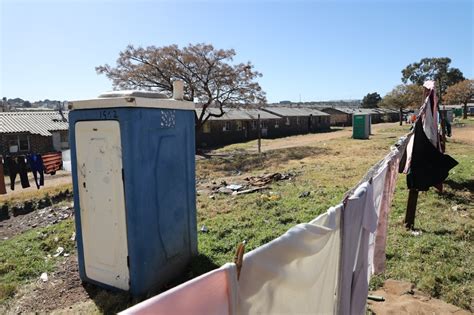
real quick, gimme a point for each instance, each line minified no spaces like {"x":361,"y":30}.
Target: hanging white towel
{"x":296,"y":273}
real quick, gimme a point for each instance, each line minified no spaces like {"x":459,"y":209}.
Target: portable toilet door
{"x":360,"y":126}
{"x":103,"y":224}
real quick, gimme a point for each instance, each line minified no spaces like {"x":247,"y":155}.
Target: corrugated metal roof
{"x":345,"y":110}
{"x":40,"y":123}
{"x":238,"y":114}
{"x":352,"y":110}
{"x":294,"y":111}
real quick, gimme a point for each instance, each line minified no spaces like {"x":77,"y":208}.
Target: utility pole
{"x":259,"y":135}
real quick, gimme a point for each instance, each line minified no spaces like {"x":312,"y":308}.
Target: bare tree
{"x":209,"y":76}
{"x":403,"y":96}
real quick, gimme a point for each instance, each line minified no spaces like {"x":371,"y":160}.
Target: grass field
{"x":439,"y":261}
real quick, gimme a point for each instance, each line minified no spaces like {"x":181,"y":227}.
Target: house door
{"x":102,"y":202}
{"x":56,"y":141}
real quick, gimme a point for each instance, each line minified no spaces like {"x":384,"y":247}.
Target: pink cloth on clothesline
{"x":210,"y":294}
{"x":387,"y":198}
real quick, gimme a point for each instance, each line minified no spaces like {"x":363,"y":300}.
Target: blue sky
{"x":316,"y":50}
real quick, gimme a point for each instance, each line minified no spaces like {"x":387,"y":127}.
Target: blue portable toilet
{"x":133,"y":166}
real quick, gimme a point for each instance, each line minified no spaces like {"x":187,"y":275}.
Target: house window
{"x":263,"y":124}
{"x":277,"y":125}
{"x":297,"y":120}
{"x":254,"y":124}
{"x":206,"y":128}
{"x":24,"y":142}
{"x":239,"y":125}
{"x":18,"y":143}
{"x":226,"y":126}
{"x":64,"y":136}
{"x":287,"y":121}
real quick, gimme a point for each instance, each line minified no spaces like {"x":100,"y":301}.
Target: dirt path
{"x":310,"y":139}
{"x":401,"y":298}
{"x":61,"y":177}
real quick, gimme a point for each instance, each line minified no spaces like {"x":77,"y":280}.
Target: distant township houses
{"x":241,"y":124}
{"x":38,"y":131}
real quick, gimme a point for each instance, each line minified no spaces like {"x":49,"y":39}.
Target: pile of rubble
{"x":249,"y":185}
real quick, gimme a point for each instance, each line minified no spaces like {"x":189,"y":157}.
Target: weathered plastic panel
{"x":101,"y":195}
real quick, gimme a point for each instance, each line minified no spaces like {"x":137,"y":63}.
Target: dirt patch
{"x":63,"y":289}
{"x":38,"y":218}
{"x":463,"y":134}
{"x":65,"y":293}
{"x":402,"y":298}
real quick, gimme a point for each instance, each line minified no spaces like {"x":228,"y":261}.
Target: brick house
{"x":236,"y":125}
{"x":299,"y":120}
{"x":35,"y":132}
{"x":340,"y":116}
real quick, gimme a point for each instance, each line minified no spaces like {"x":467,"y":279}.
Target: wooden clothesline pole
{"x":411,"y":209}
{"x":413,"y":193}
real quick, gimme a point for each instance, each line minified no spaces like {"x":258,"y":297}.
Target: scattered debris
{"x":248,"y":191}
{"x":204,"y":229}
{"x":253,"y":184}
{"x":304,"y":194}
{"x":377,"y":298}
{"x":268,"y":178}
{"x":234,"y":187}
{"x":44,"y":277}
{"x":416,"y":233}
{"x":73,"y":236}
{"x":59,"y":251}
{"x":50,"y":215}
{"x":225,"y":190}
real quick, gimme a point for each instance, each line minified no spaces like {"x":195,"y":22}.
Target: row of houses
{"x":45,"y":131}
{"x":241,"y":124}
{"x":342,"y":116}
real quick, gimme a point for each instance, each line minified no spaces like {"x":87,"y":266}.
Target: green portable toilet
{"x":360,"y":126}
{"x":458,"y":112}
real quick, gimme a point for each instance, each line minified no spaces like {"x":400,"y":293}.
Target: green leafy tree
{"x":403,"y":96}
{"x":460,"y":93}
{"x":436,"y":69}
{"x":371,"y":100}
{"x":209,"y":75}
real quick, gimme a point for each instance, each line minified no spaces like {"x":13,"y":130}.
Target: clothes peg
{"x":239,"y":257}
{"x":344,"y":201}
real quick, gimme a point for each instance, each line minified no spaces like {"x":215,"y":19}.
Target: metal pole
{"x":259,"y":135}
